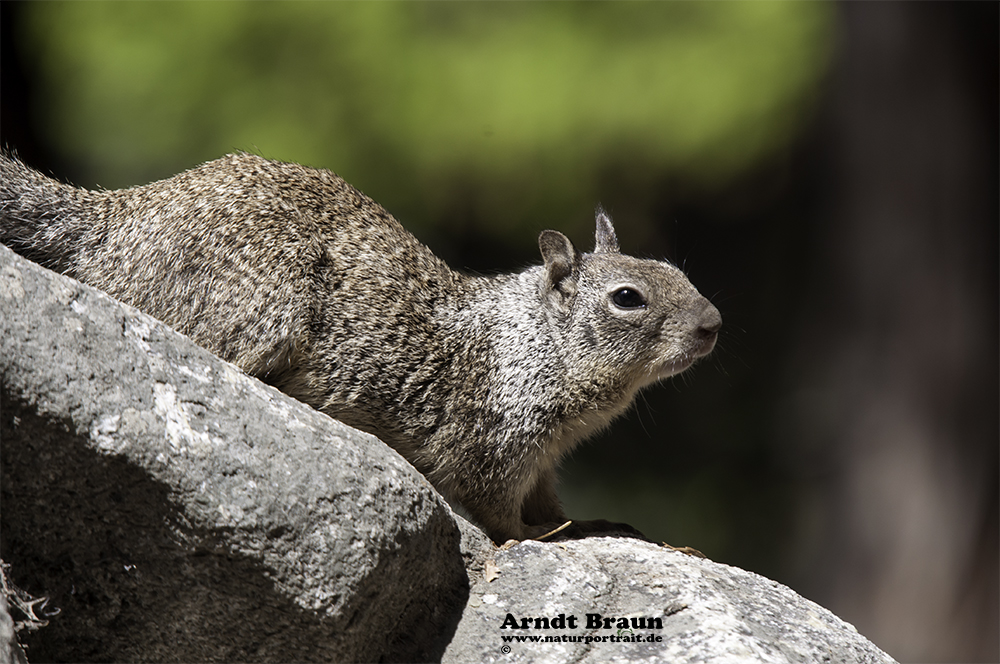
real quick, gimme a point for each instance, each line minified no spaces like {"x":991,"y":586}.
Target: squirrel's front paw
{"x":580,"y":529}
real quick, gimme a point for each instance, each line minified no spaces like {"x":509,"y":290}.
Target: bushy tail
{"x":41,"y":218}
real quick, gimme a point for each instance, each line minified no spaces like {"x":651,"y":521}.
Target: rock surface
{"x":175,"y":509}
{"x":695,"y":610}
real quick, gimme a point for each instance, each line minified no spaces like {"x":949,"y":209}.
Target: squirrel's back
{"x":256,"y":231}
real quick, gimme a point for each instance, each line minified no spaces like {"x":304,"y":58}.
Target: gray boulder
{"x":175,"y":509}
{"x":619,"y":600}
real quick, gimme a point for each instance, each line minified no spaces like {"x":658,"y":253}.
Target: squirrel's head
{"x":627,"y":318}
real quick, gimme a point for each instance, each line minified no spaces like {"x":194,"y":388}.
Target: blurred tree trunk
{"x":901,"y":334}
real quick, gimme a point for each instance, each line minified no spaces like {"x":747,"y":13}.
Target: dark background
{"x":843,"y":439}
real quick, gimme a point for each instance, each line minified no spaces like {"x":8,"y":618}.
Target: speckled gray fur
{"x":299,"y":279}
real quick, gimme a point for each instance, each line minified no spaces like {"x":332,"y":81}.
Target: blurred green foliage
{"x":503,"y":113}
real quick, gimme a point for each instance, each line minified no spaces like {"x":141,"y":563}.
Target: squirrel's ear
{"x":607,"y":241}
{"x":561,"y":259}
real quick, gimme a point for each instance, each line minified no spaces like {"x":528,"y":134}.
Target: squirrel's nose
{"x":709,"y":324}
{"x":711,"y":320}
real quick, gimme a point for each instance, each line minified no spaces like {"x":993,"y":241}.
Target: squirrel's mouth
{"x":703,"y":347}
{"x":707,"y":344}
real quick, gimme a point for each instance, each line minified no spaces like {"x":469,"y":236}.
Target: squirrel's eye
{"x":627,"y":298}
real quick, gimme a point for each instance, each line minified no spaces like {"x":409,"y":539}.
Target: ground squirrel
{"x":299,"y":279}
